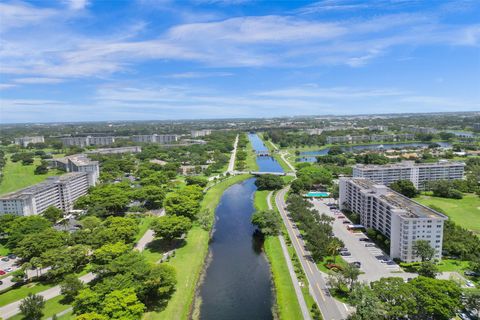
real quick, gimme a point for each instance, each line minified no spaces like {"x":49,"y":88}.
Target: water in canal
{"x":237,"y":282}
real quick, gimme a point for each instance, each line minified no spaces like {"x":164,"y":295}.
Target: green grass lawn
{"x":52,"y":307}
{"x":260,"y":200}
{"x":251,"y":161}
{"x":465,"y":212}
{"x":21,"y":292}
{"x":17,"y":176}
{"x":189,"y":259}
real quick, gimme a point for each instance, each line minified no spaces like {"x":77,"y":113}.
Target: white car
{"x":470,"y":284}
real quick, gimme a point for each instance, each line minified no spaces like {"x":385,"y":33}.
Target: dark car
{"x":12,"y":256}
{"x":346,"y":222}
{"x":471,"y":273}
{"x":369,"y":244}
{"x":390,"y":262}
{"x":5,"y":259}
{"x":343,"y":249}
{"x":345,"y":253}
{"x":364,"y":239}
{"x":1,"y":282}
{"x":357,"y":264}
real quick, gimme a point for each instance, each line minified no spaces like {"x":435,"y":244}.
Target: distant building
{"x":400,"y":219}
{"x":200,"y":133}
{"x":476,"y":126}
{"x":78,"y":163}
{"x":155,"y":138}
{"x":60,"y":192}
{"x":421,"y":130}
{"x":88,"y":141}
{"x":369,"y":138}
{"x":378,"y":128}
{"x":419,"y":173}
{"x":314,"y":131}
{"x":134,"y":149}
{"x":25,"y":141}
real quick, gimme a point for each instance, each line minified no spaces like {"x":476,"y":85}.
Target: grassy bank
{"x":465,"y":212}
{"x":287,"y":304}
{"x":251,"y":162}
{"x":17,"y":176}
{"x":189,"y":259}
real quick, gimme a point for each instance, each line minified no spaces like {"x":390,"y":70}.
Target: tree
{"x":21,"y":227}
{"x":397,"y":297}
{"x":181,"y":205}
{"x":108,"y":252}
{"x":269,"y":182}
{"x":33,"y":245}
{"x":152,"y":195}
{"x":428,"y":269}
{"x":65,"y":260}
{"x":32,"y":307}
{"x":122,"y":305}
{"x":405,"y":187}
{"x":41,"y":169}
{"x":333,"y":248}
{"x":335,"y":150}
{"x":424,"y":250}
{"x":436,"y":299}
{"x":53,"y":214}
{"x":368,"y":306}
{"x":472,"y":302}
{"x":351,"y":273}
{"x":196,"y":180}
{"x":171,"y":227}
{"x":268,"y":222}
{"x":70,"y":287}
{"x":86,"y":301}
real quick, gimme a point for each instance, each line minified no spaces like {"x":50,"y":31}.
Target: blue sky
{"x":93,"y":60}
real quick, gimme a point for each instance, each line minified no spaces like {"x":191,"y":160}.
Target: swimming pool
{"x":313,"y":194}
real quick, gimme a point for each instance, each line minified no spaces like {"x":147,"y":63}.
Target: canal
{"x":237,"y":282}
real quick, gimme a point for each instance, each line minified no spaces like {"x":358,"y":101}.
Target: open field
{"x":251,"y":162}
{"x":465,"y":212}
{"x":17,"y":176}
{"x":189,"y":259}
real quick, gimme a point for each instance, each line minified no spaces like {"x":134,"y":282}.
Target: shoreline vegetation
{"x":189,"y":261}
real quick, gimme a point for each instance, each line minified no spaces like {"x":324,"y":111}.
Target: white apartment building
{"x":25,"y":141}
{"x":134,"y":149}
{"x":78,"y":163}
{"x":88,"y":141}
{"x":200,"y":133}
{"x":156,"y":138}
{"x":369,"y":138}
{"x":399,"y":218}
{"x":419,"y":173}
{"x":423,"y":130}
{"x":60,"y":192}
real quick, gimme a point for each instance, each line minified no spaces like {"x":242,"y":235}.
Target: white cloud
{"x":38,"y":80}
{"x":78,"y":4}
{"x":193,"y":75}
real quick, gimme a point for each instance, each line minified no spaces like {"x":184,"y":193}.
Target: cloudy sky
{"x":93,"y":60}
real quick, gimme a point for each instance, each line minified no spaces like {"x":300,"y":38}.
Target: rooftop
{"x":412,"y":209}
{"x":407,"y":164}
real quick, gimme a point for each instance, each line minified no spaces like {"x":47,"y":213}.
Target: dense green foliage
{"x":268,"y":222}
{"x":269,"y":182}
{"x":171,"y":226}
{"x":405,"y":187}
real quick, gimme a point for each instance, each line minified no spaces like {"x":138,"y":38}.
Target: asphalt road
{"x":330,"y":308}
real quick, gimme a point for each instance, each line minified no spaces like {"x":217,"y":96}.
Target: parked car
{"x":1,"y":282}
{"x":12,"y":256}
{"x":369,"y":244}
{"x":470,"y":284}
{"x":8,"y":269}
{"x":345,"y":253}
{"x":5,"y":259}
{"x":346,"y":222}
{"x":357,"y":264}
{"x":364,"y":239}
{"x":472,"y":274}
{"x":343,"y":249}
{"x":2,"y":272}
{"x":391,"y":263}
{"x":341,"y":217}
{"x":463,"y":316}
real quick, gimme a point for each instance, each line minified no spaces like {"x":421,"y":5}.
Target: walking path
{"x":231,"y":164}
{"x":282,"y":155}
{"x":298,"y":290}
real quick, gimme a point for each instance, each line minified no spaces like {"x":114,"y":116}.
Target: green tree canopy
{"x":171,"y":227}
{"x":268,"y":222}
{"x":405,"y":187}
{"x":269,"y":182}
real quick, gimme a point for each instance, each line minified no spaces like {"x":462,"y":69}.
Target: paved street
{"x":330,"y":308}
{"x":372,"y":267}
{"x":231,"y":164}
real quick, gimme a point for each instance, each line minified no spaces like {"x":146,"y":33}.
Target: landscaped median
{"x":189,"y":259}
{"x":287,"y":305}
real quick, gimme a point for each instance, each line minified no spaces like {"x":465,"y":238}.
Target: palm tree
{"x":333,"y":248}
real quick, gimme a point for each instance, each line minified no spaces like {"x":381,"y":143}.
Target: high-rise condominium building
{"x":78,"y":163}
{"x":88,"y":141}
{"x":419,"y":173}
{"x":25,"y":141}
{"x":60,"y":192}
{"x":397,"y":217}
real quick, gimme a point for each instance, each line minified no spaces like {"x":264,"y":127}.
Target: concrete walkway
{"x":231,"y":163}
{"x":293,"y":276}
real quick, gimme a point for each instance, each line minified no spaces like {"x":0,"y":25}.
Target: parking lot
{"x":372,"y":267}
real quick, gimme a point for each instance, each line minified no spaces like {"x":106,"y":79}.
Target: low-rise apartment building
{"x":402,"y":220}
{"x":419,"y":173}
{"x":369,"y":138}
{"x":25,"y":141}
{"x":88,"y":141}
{"x":156,"y":138}
{"x":134,"y":149}
{"x":60,"y":192}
